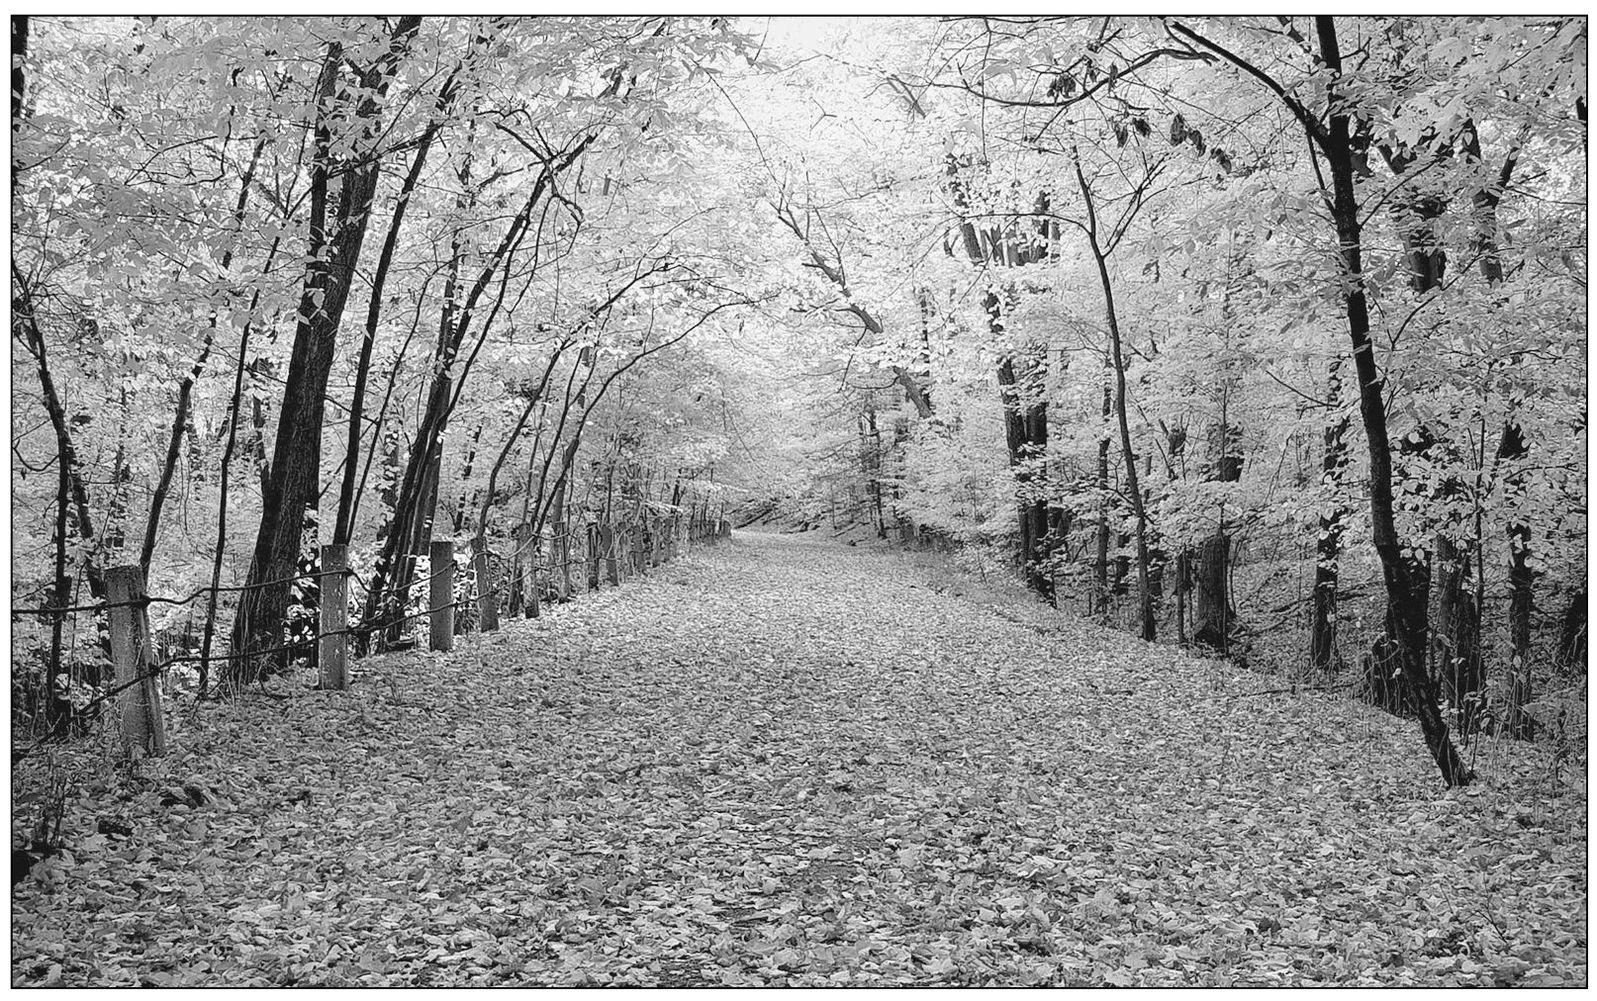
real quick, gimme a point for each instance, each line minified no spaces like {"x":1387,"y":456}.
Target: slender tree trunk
{"x":1405,"y":601}
{"x":1511,"y":449}
{"x":1026,"y":431}
{"x":417,"y":496}
{"x":346,"y":495}
{"x":25,"y":326}
{"x":1323,"y":653}
{"x":1100,"y":566}
{"x":1452,"y":622}
{"x":468,"y":497}
{"x":1214,"y":618}
{"x":19,"y":81}
{"x":233,"y":407}
{"x":1133,"y":489}
{"x":185,"y":391}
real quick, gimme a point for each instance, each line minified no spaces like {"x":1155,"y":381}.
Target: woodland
{"x":815,"y":501}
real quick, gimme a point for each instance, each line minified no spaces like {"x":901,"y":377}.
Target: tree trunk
{"x":1133,"y":489}
{"x":347,"y":493}
{"x":417,"y":497}
{"x":1211,"y":624}
{"x":1511,"y":448}
{"x":1451,"y":623}
{"x":1323,"y":652}
{"x":1572,"y":634}
{"x":185,"y":391}
{"x":1214,"y":617}
{"x":1405,"y":601}
{"x":1100,"y":565}
{"x":1026,"y":431}
{"x":338,"y":220}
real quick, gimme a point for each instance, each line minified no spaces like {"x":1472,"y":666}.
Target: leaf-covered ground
{"x":787,"y":762}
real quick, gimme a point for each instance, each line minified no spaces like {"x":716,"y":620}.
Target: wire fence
{"x":384,"y":619}
{"x":146,"y":600}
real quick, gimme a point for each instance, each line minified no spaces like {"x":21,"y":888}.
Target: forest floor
{"x":782,"y":761}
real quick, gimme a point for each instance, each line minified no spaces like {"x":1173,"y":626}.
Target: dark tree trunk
{"x":1572,"y":634}
{"x":1212,"y":618}
{"x":1323,"y":652}
{"x":416,"y":502}
{"x":347,"y":495}
{"x":1511,"y":448}
{"x":1332,"y":135}
{"x":1026,"y":431}
{"x":1452,"y":621}
{"x":467,"y":496}
{"x":1025,"y":411}
{"x":1405,"y":595}
{"x":19,"y":81}
{"x":1454,"y":629}
{"x":1133,"y":489}
{"x":338,"y":221}
{"x":1100,"y":564}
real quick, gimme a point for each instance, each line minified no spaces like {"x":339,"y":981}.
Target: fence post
{"x":333,"y":657}
{"x":607,"y":542}
{"x":487,"y":601}
{"x":534,"y":585}
{"x":139,"y":698}
{"x":441,"y":595}
{"x":560,"y":546}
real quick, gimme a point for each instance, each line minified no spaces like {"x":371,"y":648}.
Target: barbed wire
{"x":152,"y":599}
{"x":363,"y":629}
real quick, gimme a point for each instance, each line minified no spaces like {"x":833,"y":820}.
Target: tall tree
{"x":1405,"y":597}
{"x":344,"y":172}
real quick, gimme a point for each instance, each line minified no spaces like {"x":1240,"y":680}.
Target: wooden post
{"x":534,"y":584}
{"x":592,"y":556}
{"x":562,"y":553}
{"x":139,"y":696}
{"x":487,"y":601}
{"x":441,"y":594}
{"x":607,"y":542}
{"x":333,"y":657}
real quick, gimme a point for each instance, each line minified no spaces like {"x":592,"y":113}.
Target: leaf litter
{"x":784,"y":762}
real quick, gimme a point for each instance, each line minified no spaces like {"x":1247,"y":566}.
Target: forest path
{"x":786,"y":761}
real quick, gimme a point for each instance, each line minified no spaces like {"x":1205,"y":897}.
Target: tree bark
{"x":417,"y":496}
{"x":338,"y":220}
{"x":1117,"y":357}
{"x":1405,"y":602}
{"x":1452,"y":621}
{"x":1323,"y":652}
{"x":343,"y":526}
{"x":1214,"y":617}
{"x":1100,"y":564}
{"x":1511,"y":448}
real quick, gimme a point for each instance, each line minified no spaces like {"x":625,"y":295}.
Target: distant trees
{"x":1214,"y":418}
